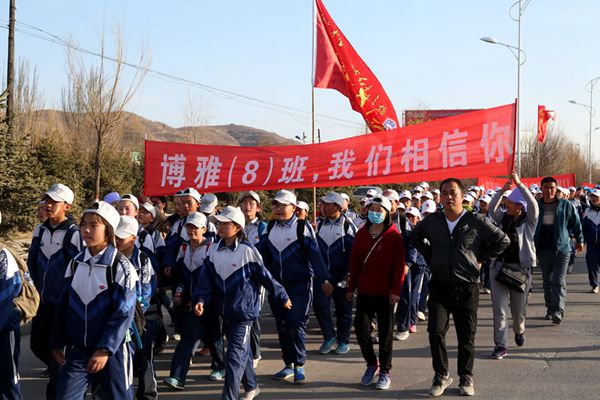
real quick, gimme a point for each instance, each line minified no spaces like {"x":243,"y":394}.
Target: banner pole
{"x":313,"y":142}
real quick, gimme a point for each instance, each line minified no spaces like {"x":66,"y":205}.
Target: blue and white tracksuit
{"x":95,"y":313}
{"x":335,"y":244}
{"x":189,"y":264}
{"x":254,"y":229}
{"x":51,"y":250}
{"x":143,"y":359}
{"x":231,"y":279}
{"x":150,"y":241}
{"x":591,"y":234}
{"x":294,"y":267}
{"x":10,"y":334}
{"x":178,"y":235}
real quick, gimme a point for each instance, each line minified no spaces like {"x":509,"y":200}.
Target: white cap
{"x":60,"y":192}
{"x":428,"y":195}
{"x":382,"y":201}
{"x":534,"y":186}
{"x":482,"y":188}
{"x":572,"y":188}
{"x":371,"y":193}
{"x":428,"y":206}
{"x":345,"y":197}
{"x":232,"y":214}
{"x":208,"y":203}
{"x":365,"y":201}
{"x":333,"y":198}
{"x":191,"y":192}
{"x":402,"y":206}
{"x":197,"y":219}
{"x":405,"y":194}
{"x":413,"y":211}
{"x":131,"y":198}
{"x":595,"y":192}
{"x":485,"y":199}
{"x":417,"y":196}
{"x":507,"y":193}
{"x":418,"y":189}
{"x":489,"y":192}
{"x":285,"y":197}
{"x":468,"y":197}
{"x":391,"y":194}
{"x":128,"y":226}
{"x":436,"y":191}
{"x":150,"y":208}
{"x":424,"y":185}
{"x":250,"y":193}
{"x":106,"y":211}
{"x":303,"y":206}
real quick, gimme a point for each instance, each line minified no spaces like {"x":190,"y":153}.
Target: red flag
{"x":338,"y":66}
{"x":543,"y":117}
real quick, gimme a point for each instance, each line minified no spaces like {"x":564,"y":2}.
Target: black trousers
{"x":368,"y":307}
{"x":462,"y":301}
{"x":41,"y":329}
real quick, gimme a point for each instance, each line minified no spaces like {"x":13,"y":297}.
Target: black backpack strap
{"x":270,"y":226}
{"x":300,"y":225}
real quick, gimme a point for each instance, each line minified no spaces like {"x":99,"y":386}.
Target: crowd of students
{"x":105,"y":278}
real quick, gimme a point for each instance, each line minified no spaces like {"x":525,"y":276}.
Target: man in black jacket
{"x":454,"y":243}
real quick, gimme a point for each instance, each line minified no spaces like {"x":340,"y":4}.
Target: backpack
{"x":139,"y":320}
{"x":299,"y":234}
{"x":346,"y":224}
{"x":28,"y":301}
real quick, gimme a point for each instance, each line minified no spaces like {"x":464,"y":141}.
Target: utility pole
{"x":10,"y":79}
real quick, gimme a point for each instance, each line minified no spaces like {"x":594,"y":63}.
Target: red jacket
{"x":383,"y":273}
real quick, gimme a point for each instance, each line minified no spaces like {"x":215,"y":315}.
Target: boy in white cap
{"x":95,"y":313}
{"x":591,"y":233}
{"x":302,"y":210}
{"x":249,"y":203}
{"x":208,"y":207}
{"x":335,"y":235}
{"x":291,"y":254}
{"x":53,"y":245}
{"x":143,"y":360}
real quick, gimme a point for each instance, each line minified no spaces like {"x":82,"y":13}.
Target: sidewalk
{"x":557,"y":362}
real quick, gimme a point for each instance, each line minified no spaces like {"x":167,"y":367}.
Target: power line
{"x":39,"y":33}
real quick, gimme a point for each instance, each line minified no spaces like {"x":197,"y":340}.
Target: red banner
{"x":338,"y":66}
{"x":412,"y":117}
{"x":488,"y":182}
{"x":460,"y":146}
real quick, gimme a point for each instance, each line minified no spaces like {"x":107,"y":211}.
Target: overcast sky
{"x":427,"y":54}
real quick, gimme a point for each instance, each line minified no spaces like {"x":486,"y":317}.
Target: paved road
{"x":557,"y":362}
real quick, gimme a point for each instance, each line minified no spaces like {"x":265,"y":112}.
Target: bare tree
{"x":96,"y":96}
{"x":196,"y":115}
{"x":28,"y":100}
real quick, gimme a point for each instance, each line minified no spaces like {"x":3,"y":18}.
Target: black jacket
{"x":454,"y":258}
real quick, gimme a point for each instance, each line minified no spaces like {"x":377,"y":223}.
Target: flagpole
{"x":312,"y":88}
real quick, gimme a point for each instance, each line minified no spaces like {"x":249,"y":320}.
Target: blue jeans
{"x":554,"y":271}
{"x":403,"y":310}
{"x":417,"y":273}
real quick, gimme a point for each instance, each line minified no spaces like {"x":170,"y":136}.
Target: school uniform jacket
{"x":150,"y":241}
{"x":188,"y":267}
{"x":10,"y":287}
{"x":96,"y":313}
{"x":286,"y":259}
{"x":591,"y":225}
{"x":178,"y":235}
{"x":231,"y":278}
{"x":335,"y":244}
{"x":146,"y":284}
{"x":50,"y":252}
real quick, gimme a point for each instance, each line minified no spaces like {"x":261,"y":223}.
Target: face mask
{"x":376,"y":217}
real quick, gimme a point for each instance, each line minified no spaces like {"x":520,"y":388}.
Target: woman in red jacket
{"x":377,"y":272}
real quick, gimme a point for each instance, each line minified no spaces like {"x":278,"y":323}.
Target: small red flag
{"x":543,"y":117}
{"x":338,"y":66}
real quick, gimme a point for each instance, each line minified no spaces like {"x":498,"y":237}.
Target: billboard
{"x":412,"y":117}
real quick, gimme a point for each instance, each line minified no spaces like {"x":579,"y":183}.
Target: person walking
{"x":518,"y":222}
{"x":454,"y":243}
{"x":558,"y":219}
{"x":377,"y":271}
{"x":591,"y":233}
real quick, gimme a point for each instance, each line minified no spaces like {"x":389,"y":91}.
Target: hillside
{"x":135,"y":128}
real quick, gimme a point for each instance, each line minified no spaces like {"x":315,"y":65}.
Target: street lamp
{"x":592,"y":112}
{"x":517,"y":52}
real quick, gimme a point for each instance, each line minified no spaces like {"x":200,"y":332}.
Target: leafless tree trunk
{"x":28,"y":100}
{"x":196,"y":114}
{"x":96,"y":96}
